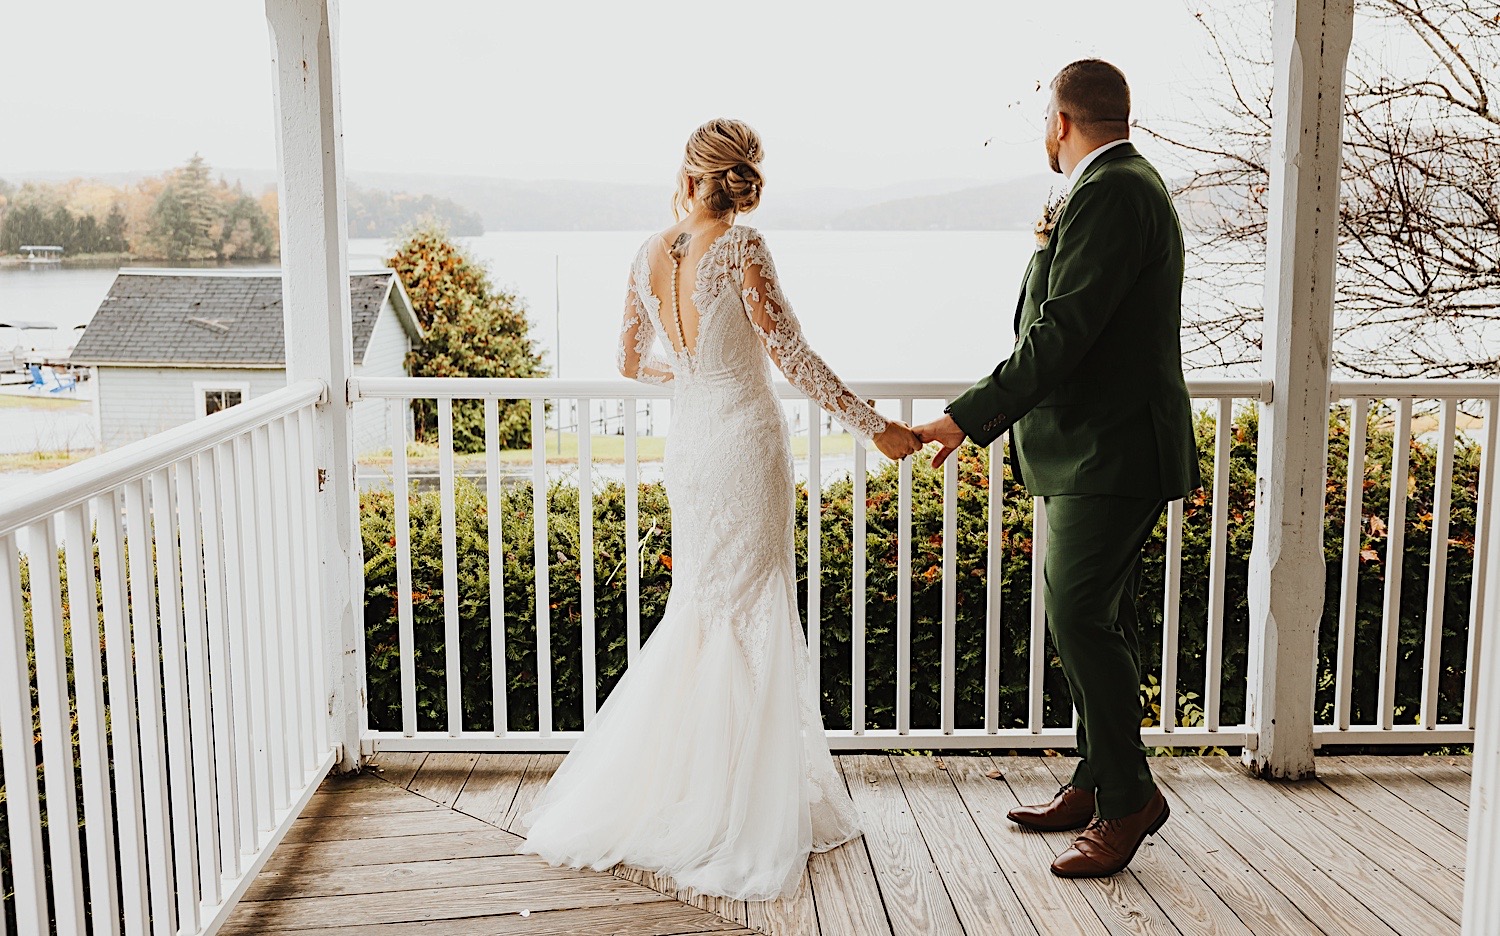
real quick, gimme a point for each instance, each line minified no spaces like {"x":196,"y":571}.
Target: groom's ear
{"x":1064,"y":125}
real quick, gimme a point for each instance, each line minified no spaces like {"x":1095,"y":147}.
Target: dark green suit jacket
{"x":1093,"y":391}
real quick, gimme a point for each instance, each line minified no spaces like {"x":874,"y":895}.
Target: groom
{"x":1101,"y":429}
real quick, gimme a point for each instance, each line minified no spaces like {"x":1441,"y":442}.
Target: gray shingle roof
{"x":208,"y":318}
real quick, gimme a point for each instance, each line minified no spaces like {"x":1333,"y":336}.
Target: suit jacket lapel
{"x":1021,"y":299}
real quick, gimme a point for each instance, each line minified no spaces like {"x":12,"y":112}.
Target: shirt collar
{"x":1088,"y":160}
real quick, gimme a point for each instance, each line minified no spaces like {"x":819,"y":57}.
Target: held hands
{"x":943,"y":431}
{"x":897,"y":440}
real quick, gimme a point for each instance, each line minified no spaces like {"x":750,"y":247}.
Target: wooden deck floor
{"x":424,"y":844}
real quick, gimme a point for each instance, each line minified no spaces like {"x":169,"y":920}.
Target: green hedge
{"x":382,"y":647}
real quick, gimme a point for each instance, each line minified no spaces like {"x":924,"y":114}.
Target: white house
{"x":169,"y":346}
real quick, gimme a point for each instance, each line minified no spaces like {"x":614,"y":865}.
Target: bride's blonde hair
{"x":722,"y":160}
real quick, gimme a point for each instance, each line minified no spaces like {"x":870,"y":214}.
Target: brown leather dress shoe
{"x":1107,"y":845}
{"x":1071,"y":808}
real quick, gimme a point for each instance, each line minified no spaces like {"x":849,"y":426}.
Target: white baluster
{"x":857,"y":596}
{"x":452,"y":666}
{"x":1437,"y":564}
{"x":1218,"y":556}
{"x":541,"y":553}
{"x":135,"y":897}
{"x":22,"y":799}
{"x":994,"y":588}
{"x":495,"y":503}
{"x":586,"y":558}
{"x":1395,"y":550}
{"x":1354,"y":519}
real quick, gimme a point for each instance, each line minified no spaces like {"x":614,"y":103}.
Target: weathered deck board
{"x":1416,"y":788}
{"x":538,"y":771}
{"x":1404,"y":908}
{"x":979,"y":888}
{"x":491,"y":786}
{"x":397,"y":766}
{"x":1318,"y":895}
{"x":659,"y":918}
{"x":1336,"y":816}
{"x":1426,"y":835}
{"x":426,"y":845}
{"x":1024,"y":856}
{"x":910,"y":884}
{"x":442,"y":776}
{"x":846,"y":897}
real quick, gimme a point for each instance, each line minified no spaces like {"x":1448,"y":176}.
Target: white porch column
{"x":315,"y":296}
{"x":1311,"y":41}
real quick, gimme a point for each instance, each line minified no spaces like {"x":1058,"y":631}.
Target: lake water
{"x":875,"y":304}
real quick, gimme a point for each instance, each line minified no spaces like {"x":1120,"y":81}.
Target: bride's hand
{"x":897,"y":440}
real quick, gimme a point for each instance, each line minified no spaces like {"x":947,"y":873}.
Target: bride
{"x":708,"y":762}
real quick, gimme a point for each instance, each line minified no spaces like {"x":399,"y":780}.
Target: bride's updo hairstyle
{"x":722,"y":160}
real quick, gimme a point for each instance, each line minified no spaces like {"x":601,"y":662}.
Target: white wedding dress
{"x":708,"y":762}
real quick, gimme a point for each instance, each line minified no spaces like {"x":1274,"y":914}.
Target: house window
{"x":220,"y":398}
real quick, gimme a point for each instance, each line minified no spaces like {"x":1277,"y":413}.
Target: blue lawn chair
{"x":45,"y":378}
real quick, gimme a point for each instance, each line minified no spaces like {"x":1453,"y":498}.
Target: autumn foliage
{"x":471,"y":329}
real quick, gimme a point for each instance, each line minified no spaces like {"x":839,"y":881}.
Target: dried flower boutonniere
{"x":1051,"y":211}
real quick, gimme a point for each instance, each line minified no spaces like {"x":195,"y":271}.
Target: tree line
{"x":188,"y":214}
{"x":183,"y":214}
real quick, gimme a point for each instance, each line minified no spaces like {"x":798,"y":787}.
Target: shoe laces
{"x":1103,"y":826}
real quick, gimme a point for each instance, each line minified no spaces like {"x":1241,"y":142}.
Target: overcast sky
{"x":844,"y":94}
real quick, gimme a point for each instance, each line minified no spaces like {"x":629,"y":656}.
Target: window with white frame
{"x":214,"y":397}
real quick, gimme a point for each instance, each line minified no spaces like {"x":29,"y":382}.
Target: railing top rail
{"x":532,"y":388}
{"x":31,"y":500}
{"x":1420,"y":389}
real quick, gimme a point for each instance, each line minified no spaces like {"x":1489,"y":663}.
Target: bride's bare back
{"x":673,"y":258}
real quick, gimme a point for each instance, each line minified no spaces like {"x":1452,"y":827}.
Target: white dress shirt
{"x":1088,"y":160}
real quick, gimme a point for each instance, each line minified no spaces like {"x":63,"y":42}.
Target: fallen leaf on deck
{"x":939,"y":762}
{"x":995,"y":775}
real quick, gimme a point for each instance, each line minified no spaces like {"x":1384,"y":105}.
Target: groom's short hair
{"x":1092,"y":91}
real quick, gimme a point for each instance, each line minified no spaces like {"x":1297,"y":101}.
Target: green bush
{"x":382,"y":647}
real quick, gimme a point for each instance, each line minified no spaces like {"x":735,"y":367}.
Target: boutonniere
{"x":1051,"y":211}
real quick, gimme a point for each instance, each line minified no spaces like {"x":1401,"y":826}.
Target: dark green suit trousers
{"x":1091,"y":577}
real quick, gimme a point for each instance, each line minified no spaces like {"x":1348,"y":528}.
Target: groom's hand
{"x":897,"y":440}
{"x":943,"y":431}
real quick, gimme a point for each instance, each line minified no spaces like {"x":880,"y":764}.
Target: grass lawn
{"x":16,"y":401}
{"x":606,"y":449}
{"x":41,"y":461}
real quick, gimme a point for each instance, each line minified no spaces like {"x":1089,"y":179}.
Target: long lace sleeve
{"x":781,"y":334}
{"x":637,"y":356}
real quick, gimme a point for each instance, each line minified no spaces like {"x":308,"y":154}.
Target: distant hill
{"x":1008,"y":206}
{"x":381,"y":203}
{"x":561,"y":205}
{"x":380,"y":213}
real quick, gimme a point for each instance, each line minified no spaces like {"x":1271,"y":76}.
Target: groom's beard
{"x":1052,"y":151}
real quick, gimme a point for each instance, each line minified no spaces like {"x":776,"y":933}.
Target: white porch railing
{"x":229,"y":734}
{"x":1220,"y":396}
{"x":201,"y":726}
{"x":1446,"y":400}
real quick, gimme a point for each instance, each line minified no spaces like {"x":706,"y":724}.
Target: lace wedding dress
{"x":708,"y":762}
